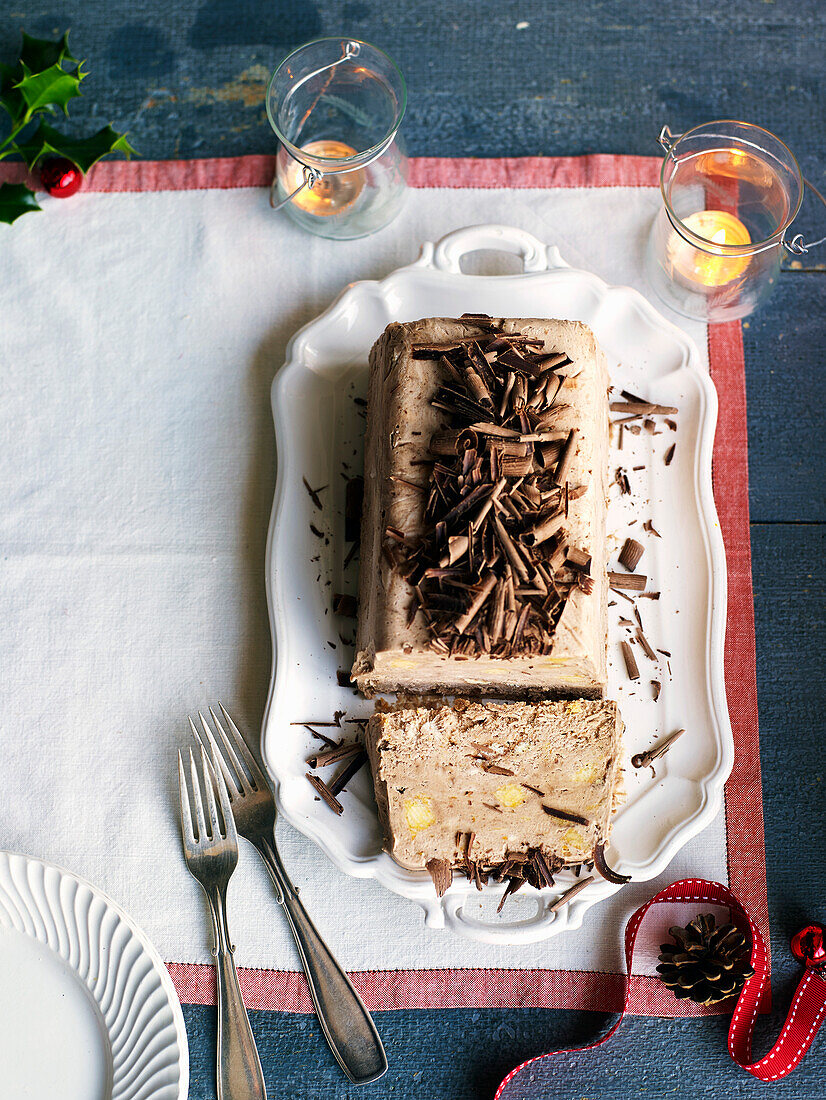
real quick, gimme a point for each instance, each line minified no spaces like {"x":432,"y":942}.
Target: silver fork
{"x":211,"y":853}
{"x":346,"y":1023}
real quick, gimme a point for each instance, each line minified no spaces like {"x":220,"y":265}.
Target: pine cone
{"x":707,"y":964}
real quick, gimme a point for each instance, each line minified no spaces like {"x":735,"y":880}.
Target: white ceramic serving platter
{"x":89,"y":1011}
{"x":319,"y":431}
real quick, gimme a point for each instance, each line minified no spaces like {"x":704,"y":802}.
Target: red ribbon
{"x":806,"y":1013}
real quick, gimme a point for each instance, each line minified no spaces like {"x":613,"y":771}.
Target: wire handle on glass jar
{"x":313,"y":175}
{"x":797,"y":246}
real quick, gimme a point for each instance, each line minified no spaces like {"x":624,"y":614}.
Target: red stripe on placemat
{"x":386,"y":990}
{"x":744,"y":798}
{"x":596,"y":170}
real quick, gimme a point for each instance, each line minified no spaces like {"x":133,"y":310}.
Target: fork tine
{"x":241,"y":745}
{"x":244,"y":781}
{"x":206,"y":740}
{"x":186,"y":812}
{"x":223,"y":798}
{"x":200,"y":820}
{"x":217,"y":831}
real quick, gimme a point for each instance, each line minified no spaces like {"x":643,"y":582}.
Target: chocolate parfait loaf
{"x":483,"y":531}
{"x":525,"y":786}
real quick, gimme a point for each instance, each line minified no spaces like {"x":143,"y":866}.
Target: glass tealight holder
{"x":730,"y":193}
{"x":336,"y":105}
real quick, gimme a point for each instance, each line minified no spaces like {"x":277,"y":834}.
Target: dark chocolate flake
{"x":606,"y":871}
{"x":346,"y":774}
{"x":630,"y":661}
{"x":565,"y":815}
{"x":345,"y":605}
{"x":631,"y":553}
{"x":633,"y":582}
{"x":441,"y":873}
{"x":326,"y":794}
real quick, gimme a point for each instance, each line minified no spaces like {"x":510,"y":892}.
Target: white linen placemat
{"x":140,"y":334}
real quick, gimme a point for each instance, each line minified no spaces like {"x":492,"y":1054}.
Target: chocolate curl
{"x":497,"y":617}
{"x":453,"y":441}
{"x":553,"y":361}
{"x":547,"y":454}
{"x":487,"y":586}
{"x":544,"y":530}
{"x":513,"y":466}
{"x":486,"y":507}
{"x":561,"y":475}
{"x":506,"y":395}
{"x":477,"y":387}
{"x":513,"y":448}
{"x":457,"y":548}
{"x":511,"y":553}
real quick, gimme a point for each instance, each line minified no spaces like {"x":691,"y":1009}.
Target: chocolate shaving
{"x":656,"y":688}
{"x":490,"y":572}
{"x":334,"y":755}
{"x":644,"y":759}
{"x":578,"y":559}
{"x":318,"y":534}
{"x":646,"y":648}
{"x":621,"y":479}
{"x":314,"y":497}
{"x":570,"y":894}
{"x":441,"y":873}
{"x":565,"y":815}
{"x":535,"y":790}
{"x":631,"y":554}
{"x":345,"y":605}
{"x":514,"y":884}
{"x":566,"y":457}
{"x":496,"y":770}
{"x":633,"y":582}
{"x":346,"y":774}
{"x":326,"y":794}
{"x":603,"y":868}
{"x":630,"y":661}
{"x":649,"y":527}
{"x":669,"y":454}
{"x":343,"y":677}
{"x":641,"y":408}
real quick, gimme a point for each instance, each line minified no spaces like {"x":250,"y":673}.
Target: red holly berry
{"x":809,"y":945}
{"x":60,"y":177}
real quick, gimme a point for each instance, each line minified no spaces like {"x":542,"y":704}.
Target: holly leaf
{"x":84,"y":152}
{"x":54,"y":87}
{"x":10,"y":99}
{"x":15,"y":201}
{"x":38,"y":54}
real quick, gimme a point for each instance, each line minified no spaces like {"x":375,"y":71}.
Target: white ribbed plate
{"x":318,"y":430}
{"x":89,"y":1011}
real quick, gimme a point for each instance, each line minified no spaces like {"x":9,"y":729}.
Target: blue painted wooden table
{"x":553,"y":77}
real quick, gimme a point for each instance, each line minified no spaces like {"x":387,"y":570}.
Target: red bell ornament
{"x":60,"y":178}
{"x":809,"y":945}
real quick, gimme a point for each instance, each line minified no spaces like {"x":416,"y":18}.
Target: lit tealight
{"x":335,"y":191}
{"x":707,"y":264}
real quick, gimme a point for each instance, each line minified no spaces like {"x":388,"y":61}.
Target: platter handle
{"x":494,"y":928}
{"x":536,"y":256}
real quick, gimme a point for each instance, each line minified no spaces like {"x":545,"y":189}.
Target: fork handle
{"x":239,"y":1073}
{"x":346,"y":1023}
